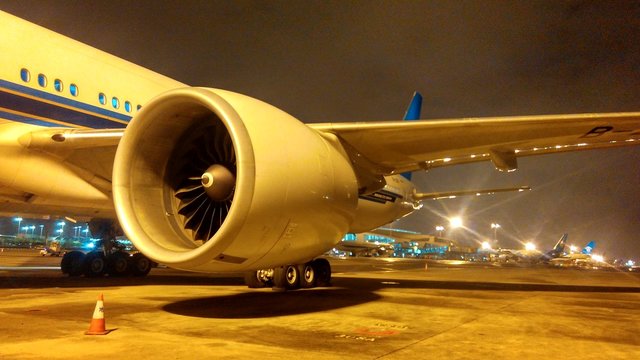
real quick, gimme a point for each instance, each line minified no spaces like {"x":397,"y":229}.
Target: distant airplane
{"x":571,"y":259}
{"x":210,"y":180}
{"x":534,"y":256}
{"x":368,"y":243}
{"x":558,"y":249}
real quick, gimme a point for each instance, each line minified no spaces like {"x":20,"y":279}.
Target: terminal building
{"x":402,"y":244}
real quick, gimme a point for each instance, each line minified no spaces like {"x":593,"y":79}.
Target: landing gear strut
{"x":291,"y":277}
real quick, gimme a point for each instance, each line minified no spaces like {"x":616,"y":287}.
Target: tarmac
{"x":376,"y":309}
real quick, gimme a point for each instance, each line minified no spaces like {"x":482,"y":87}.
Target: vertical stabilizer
{"x":413,"y":113}
{"x":589,"y":248}
{"x":415,"y":107}
{"x":559,"y":248}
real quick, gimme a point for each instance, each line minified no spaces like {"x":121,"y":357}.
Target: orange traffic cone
{"x":97,"y":326}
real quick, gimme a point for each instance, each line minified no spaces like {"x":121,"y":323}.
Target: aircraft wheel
{"x":95,"y":264}
{"x":286,"y":278}
{"x":307,"y":275}
{"x":323,"y":272}
{"x":140,"y":264}
{"x":71,"y":263}
{"x":253,"y":281}
{"x":118,"y":264}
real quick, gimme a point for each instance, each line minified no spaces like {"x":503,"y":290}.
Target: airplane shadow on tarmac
{"x":263,"y":304}
{"x":346,"y":292}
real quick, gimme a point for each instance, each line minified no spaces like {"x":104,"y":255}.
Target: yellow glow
{"x":529,"y":246}
{"x":93,"y":135}
{"x":598,"y":258}
{"x":486,"y":245}
{"x":455,"y":222}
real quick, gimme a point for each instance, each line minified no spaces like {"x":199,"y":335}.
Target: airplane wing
{"x":454,"y":194}
{"x":396,"y":147}
{"x":88,"y":151}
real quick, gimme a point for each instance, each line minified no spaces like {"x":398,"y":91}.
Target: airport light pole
{"x":19,"y":220}
{"x":45,"y":239}
{"x":62,"y":224}
{"x":439,"y":229}
{"x":495,"y":227}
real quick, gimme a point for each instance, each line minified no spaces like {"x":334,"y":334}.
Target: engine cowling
{"x":211,"y":180}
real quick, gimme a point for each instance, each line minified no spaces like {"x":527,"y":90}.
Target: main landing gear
{"x":316,"y":273}
{"x":111,"y":259}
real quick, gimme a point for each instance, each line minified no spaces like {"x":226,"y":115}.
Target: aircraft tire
{"x":94,"y":264}
{"x":307,"y":275}
{"x":140,"y":265}
{"x":323,"y":272}
{"x":71,"y":263}
{"x":286,"y":278}
{"x":118,"y":264}
{"x":252,"y":281}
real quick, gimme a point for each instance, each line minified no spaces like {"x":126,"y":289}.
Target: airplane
{"x":506,"y":255}
{"x":369,"y":243}
{"x":557,"y":250}
{"x":210,"y":180}
{"x":586,"y":254}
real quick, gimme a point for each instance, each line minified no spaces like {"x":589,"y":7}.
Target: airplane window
{"x":42,"y":80}
{"x":115,"y":102}
{"x":127,"y":106}
{"x":102,"y":98}
{"x":25,"y":75}
{"x":57,"y":84}
{"x":73,"y":88}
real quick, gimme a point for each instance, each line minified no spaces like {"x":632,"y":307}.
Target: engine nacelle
{"x":210,"y":180}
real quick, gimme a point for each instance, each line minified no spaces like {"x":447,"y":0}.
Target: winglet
{"x":413,"y":113}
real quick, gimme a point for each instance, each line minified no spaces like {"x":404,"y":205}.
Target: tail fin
{"x":561,"y":243}
{"x":415,"y":107}
{"x":558,"y":249}
{"x":589,"y":248}
{"x":413,"y":113}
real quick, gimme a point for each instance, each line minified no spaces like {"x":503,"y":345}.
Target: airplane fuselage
{"x":94,"y":91}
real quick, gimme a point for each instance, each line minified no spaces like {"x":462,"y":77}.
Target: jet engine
{"x":210,"y":180}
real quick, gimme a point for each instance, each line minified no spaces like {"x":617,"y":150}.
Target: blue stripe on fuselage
{"x":27,"y":120}
{"x":54,"y":110}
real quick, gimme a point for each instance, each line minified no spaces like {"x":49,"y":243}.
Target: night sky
{"x":334,"y":61}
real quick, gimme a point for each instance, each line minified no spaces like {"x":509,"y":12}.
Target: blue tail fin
{"x":413,"y":113}
{"x":589,"y":248}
